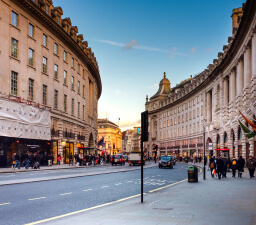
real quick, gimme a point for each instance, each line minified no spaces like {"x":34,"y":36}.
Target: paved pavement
{"x":208,"y":202}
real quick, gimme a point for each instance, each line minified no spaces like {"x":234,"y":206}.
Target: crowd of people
{"x":220,"y":165}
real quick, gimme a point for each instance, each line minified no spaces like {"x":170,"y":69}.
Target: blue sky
{"x":136,"y":41}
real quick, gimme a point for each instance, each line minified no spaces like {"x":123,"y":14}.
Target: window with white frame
{"x":31,"y":30}
{"x":30,"y":57}
{"x":14,"y":83}
{"x":14,"y":19}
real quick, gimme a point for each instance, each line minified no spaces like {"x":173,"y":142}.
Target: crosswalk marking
{"x":87,"y":190}
{"x":66,"y":193}
{"x":7,"y":203}
{"x":32,"y":199}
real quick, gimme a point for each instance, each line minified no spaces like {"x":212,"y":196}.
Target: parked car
{"x":166,"y":161}
{"x":117,"y":159}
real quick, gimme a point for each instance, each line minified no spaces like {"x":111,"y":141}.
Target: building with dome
{"x":49,"y":83}
{"x":208,"y":103}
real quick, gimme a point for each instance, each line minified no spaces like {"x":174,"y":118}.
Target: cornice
{"x":48,"y":21}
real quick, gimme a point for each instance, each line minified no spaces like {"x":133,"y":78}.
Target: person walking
{"x":71,"y":159}
{"x":225,"y":166}
{"x":17,"y":161}
{"x":49,"y":159}
{"x":234,"y":167}
{"x":31,"y":160}
{"x":240,"y":166}
{"x":212,"y":166}
{"x":38,"y":160}
{"x":251,"y":166}
{"x":26,"y":161}
{"x":59,"y":159}
{"x":220,"y":166}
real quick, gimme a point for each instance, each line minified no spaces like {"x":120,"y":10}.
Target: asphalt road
{"x":25,"y":203}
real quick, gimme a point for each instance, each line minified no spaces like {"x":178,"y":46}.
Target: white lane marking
{"x":118,"y":184}
{"x":7,"y":203}
{"x":87,"y":190}
{"x":66,"y":193}
{"x":167,"y":186}
{"x":32,"y":199}
{"x":170,"y":203}
{"x":152,"y":176}
{"x":129,"y":181}
{"x":104,"y":186}
{"x":83,"y":210}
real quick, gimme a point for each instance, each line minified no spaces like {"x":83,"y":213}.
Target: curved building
{"x":49,"y":82}
{"x":208,"y":103}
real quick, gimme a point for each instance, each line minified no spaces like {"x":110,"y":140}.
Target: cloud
{"x":209,"y":50}
{"x":131,"y":45}
{"x":127,"y":124}
{"x":118,"y":92}
{"x":192,"y":50}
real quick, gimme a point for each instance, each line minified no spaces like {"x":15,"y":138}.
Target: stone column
{"x":253,"y":80}
{"x":209,"y":107}
{"x":236,"y":143}
{"x":239,"y":84}
{"x":60,"y":148}
{"x":251,"y":148}
{"x":243,"y":141}
{"x":247,"y":77}
{"x":232,"y":94}
{"x":225,"y":99}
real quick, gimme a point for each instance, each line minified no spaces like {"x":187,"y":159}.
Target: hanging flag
{"x":101,"y":141}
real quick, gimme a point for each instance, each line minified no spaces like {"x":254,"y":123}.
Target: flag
{"x":101,"y":141}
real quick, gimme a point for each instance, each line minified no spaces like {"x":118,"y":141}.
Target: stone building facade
{"x":131,"y":140}
{"x":208,"y":103}
{"x":112,"y":136}
{"x":48,"y":68}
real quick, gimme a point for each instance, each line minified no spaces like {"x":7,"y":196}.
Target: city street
{"x":29,"y":202}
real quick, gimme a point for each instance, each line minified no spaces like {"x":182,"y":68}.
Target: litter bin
{"x":192,"y":174}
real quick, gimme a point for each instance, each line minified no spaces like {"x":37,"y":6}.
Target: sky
{"x":136,"y":41}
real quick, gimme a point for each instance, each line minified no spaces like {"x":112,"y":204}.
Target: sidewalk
{"x":208,"y":202}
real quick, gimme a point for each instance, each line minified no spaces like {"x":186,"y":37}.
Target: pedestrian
{"x":31,"y":160}
{"x":220,"y":166}
{"x":49,"y":159}
{"x":71,"y":159}
{"x":81,"y":159}
{"x":59,"y":159}
{"x":225,"y":166}
{"x":240,"y":166}
{"x":251,"y":166}
{"x":17,"y":161}
{"x":234,"y":167}
{"x":196,"y":159}
{"x":26,"y":161}
{"x":38,"y":160}
{"x":212,"y":166}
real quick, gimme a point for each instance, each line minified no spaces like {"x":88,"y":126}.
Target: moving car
{"x":166,"y":161}
{"x":117,"y":159}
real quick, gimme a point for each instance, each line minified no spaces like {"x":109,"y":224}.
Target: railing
{"x":80,"y":137}
{"x":69,"y":135}
{"x":55,"y":133}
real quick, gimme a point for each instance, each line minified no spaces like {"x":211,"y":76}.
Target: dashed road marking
{"x":167,"y":186}
{"x":87,"y":190}
{"x":129,"y":181}
{"x":66,"y":193}
{"x":7,"y":203}
{"x":104,"y":186}
{"x":118,"y":184}
{"x":32,"y":199}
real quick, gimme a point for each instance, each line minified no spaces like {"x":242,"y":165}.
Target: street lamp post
{"x":204,"y":152}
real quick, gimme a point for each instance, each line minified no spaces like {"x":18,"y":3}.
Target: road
{"x":29,"y":202}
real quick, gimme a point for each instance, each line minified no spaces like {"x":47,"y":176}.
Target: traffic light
{"x":144,"y":126}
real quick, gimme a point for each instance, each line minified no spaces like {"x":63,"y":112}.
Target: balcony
{"x":55,"y":133}
{"x":80,"y":137}
{"x":68,"y":135}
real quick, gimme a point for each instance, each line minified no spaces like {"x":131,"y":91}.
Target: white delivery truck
{"x":135,"y":158}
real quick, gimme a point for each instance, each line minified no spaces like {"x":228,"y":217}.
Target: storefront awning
{"x":222,"y":149}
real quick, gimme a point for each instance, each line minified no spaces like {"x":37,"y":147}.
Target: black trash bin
{"x":192,"y":174}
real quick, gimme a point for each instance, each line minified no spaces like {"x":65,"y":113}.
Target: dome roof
{"x":164,"y":88}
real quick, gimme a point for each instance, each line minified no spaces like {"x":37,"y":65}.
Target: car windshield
{"x":166,"y":158}
{"x":117,"y":156}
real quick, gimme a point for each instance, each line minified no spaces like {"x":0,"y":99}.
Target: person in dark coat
{"x":31,"y":160}
{"x":225,"y":166}
{"x":251,"y":166}
{"x":220,"y":166}
{"x":240,"y":166}
{"x":234,"y":167}
{"x":212,"y":166}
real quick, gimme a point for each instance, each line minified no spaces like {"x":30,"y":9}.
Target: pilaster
{"x":247,"y":77}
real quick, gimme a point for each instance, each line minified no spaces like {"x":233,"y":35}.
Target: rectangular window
{"x":44,"y":65}
{"x":78,"y":68}
{"x":83,"y":73}
{"x":67,"y":28}
{"x":31,"y":30}
{"x":83,"y":112}
{"x":30,"y":89}
{"x":44,"y":40}
{"x":65,"y":103}
{"x":73,"y":62}
{"x":14,"y":19}
{"x":55,"y":99}
{"x":83,"y":90}
{"x":31,"y":57}
{"x":47,"y":9}
{"x":56,"y":49}
{"x":14,"y":48}
{"x":44,"y":94}
{"x":65,"y":56}
{"x":72,"y":83}
{"x":55,"y":71}
{"x":65,"y":77}
{"x":78,"y":109}
{"x":72,"y":107}
{"x":58,"y":19}
{"x":78,"y":87}
{"x":14,"y":83}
